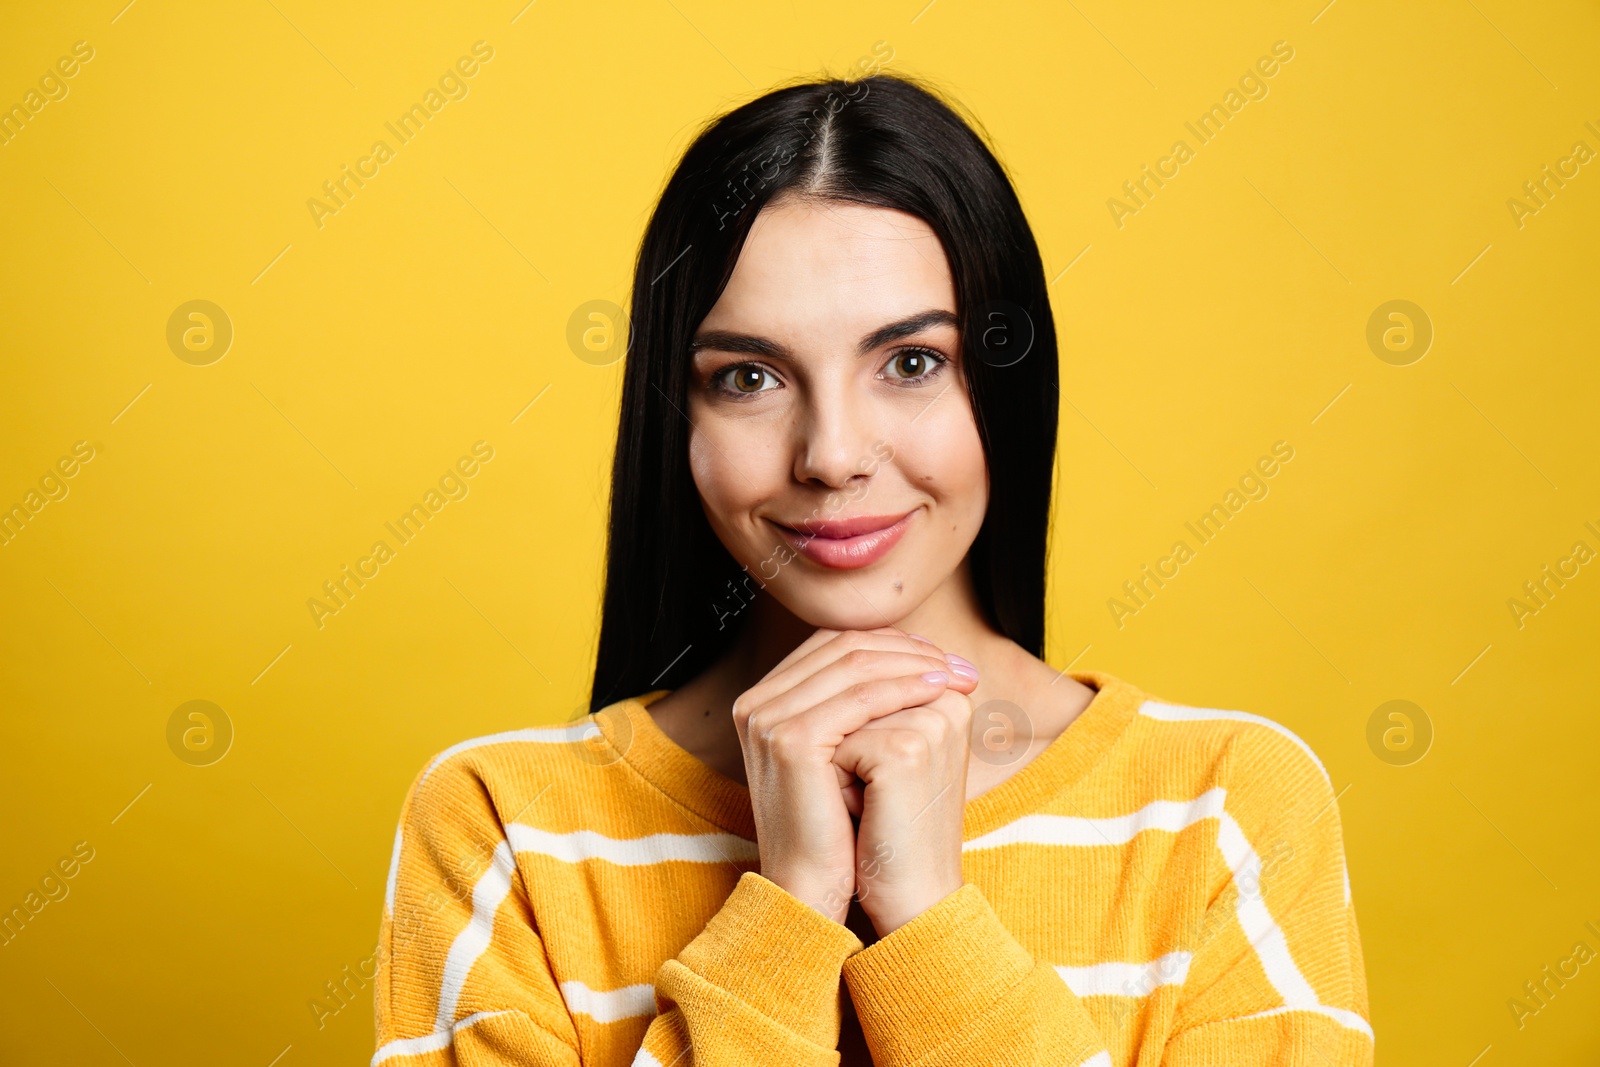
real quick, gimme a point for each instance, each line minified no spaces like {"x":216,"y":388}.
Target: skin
{"x":853,"y":736}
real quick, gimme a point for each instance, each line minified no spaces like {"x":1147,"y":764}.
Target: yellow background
{"x":369,"y":354}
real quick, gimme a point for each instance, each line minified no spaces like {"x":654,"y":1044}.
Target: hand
{"x":790,"y":724}
{"x":914,"y":763}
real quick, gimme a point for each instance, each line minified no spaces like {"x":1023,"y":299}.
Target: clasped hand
{"x":860,"y":724}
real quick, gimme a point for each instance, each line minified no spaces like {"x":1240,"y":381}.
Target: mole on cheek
{"x":897,"y":585}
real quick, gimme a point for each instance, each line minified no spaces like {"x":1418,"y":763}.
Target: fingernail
{"x":919,"y":637}
{"x":962,"y":667}
{"x":936,"y":678}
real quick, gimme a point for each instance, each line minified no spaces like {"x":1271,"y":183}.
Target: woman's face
{"x":833,"y":440}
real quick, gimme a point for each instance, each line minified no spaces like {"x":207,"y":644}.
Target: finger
{"x":927,"y":720}
{"x":785,"y":686}
{"x":869,"y":753}
{"x":945,"y":722}
{"x":964,"y":674}
{"x":864,"y":678}
{"x":777,"y":679}
{"x":855,"y":801}
{"x":839,"y":643}
{"x":819,"y":729}
{"x":781,"y":676}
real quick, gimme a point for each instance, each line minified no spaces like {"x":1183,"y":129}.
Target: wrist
{"x":889,"y":912}
{"x":830,"y":900}
{"x":768,"y":953}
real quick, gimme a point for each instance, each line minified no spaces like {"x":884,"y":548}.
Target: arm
{"x":463,"y":977}
{"x":760,"y":985}
{"x":953,"y":986}
{"x":1276,"y":967}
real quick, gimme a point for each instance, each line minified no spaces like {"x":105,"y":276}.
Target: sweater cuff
{"x":777,"y":954}
{"x":928,"y":980}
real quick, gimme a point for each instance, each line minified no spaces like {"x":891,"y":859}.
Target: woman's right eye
{"x":744,"y":379}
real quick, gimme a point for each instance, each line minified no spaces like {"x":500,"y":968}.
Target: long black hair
{"x":880,"y":140}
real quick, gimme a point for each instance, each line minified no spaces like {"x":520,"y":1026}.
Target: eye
{"x":914,"y":365}
{"x":744,"y":379}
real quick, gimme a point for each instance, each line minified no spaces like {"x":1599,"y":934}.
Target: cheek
{"x":944,"y":458}
{"x":731,"y":477}
{"x":712,"y":474}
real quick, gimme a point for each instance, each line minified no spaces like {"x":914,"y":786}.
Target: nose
{"x":835,"y":437}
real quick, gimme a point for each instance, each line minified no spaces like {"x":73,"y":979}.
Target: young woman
{"x":830,"y":805}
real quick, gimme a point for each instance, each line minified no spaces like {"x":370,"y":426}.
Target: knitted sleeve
{"x":462,"y":975}
{"x":463,"y":978}
{"x":1276,"y":966}
{"x":760,"y":985}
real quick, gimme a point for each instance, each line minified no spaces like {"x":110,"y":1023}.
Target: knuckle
{"x":784,"y":741}
{"x":928,"y":724}
{"x":907,"y":746}
{"x":857,"y":658}
{"x":859,"y":694}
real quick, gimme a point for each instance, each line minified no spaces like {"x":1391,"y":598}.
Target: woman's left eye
{"x":914,"y":364}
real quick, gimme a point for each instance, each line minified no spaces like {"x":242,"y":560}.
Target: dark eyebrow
{"x":750,"y":344}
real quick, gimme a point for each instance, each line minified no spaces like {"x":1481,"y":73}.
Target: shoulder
{"x":1264,"y":736}
{"x":1242,"y":750}
{"x":501,"y":767}
{"x":460,"y":802}
{"x":1275,"y":796}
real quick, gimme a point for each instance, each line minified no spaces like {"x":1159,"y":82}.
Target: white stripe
{"x":1126,"y":979}
{"x":556,"y":735}
{"x":1260,"y":929}
{"x":1343,"y":1016}
{"x":1179,"y":713}
{"x":471,"y":942}
{"x":1258,"y":925}
{"x":1169,"y":815}
{"x":417,"y":1046}
{"x":1099,"y":1059}
{"x":609,"y":1005}
{"x":1266,"y":937}
{"x":545,"y":735}
{"x":394,"y":870}
{"x":412,"y":1046}
{"x":581,"y":845}
{"x":643,"y":1058}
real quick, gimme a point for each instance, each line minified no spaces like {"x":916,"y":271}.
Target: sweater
{"x":1161,"y":884}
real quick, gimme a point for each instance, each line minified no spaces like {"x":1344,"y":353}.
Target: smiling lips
{"x":846,"y":544}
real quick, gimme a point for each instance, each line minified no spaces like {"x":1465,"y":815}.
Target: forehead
{"x":829,"y":269}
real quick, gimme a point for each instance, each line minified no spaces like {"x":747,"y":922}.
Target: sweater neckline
{"x":635,"y":736}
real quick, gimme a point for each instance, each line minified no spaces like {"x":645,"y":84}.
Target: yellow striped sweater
{"x":1162,"y":884}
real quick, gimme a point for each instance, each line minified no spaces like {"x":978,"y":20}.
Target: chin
{"x":845,"y":608}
